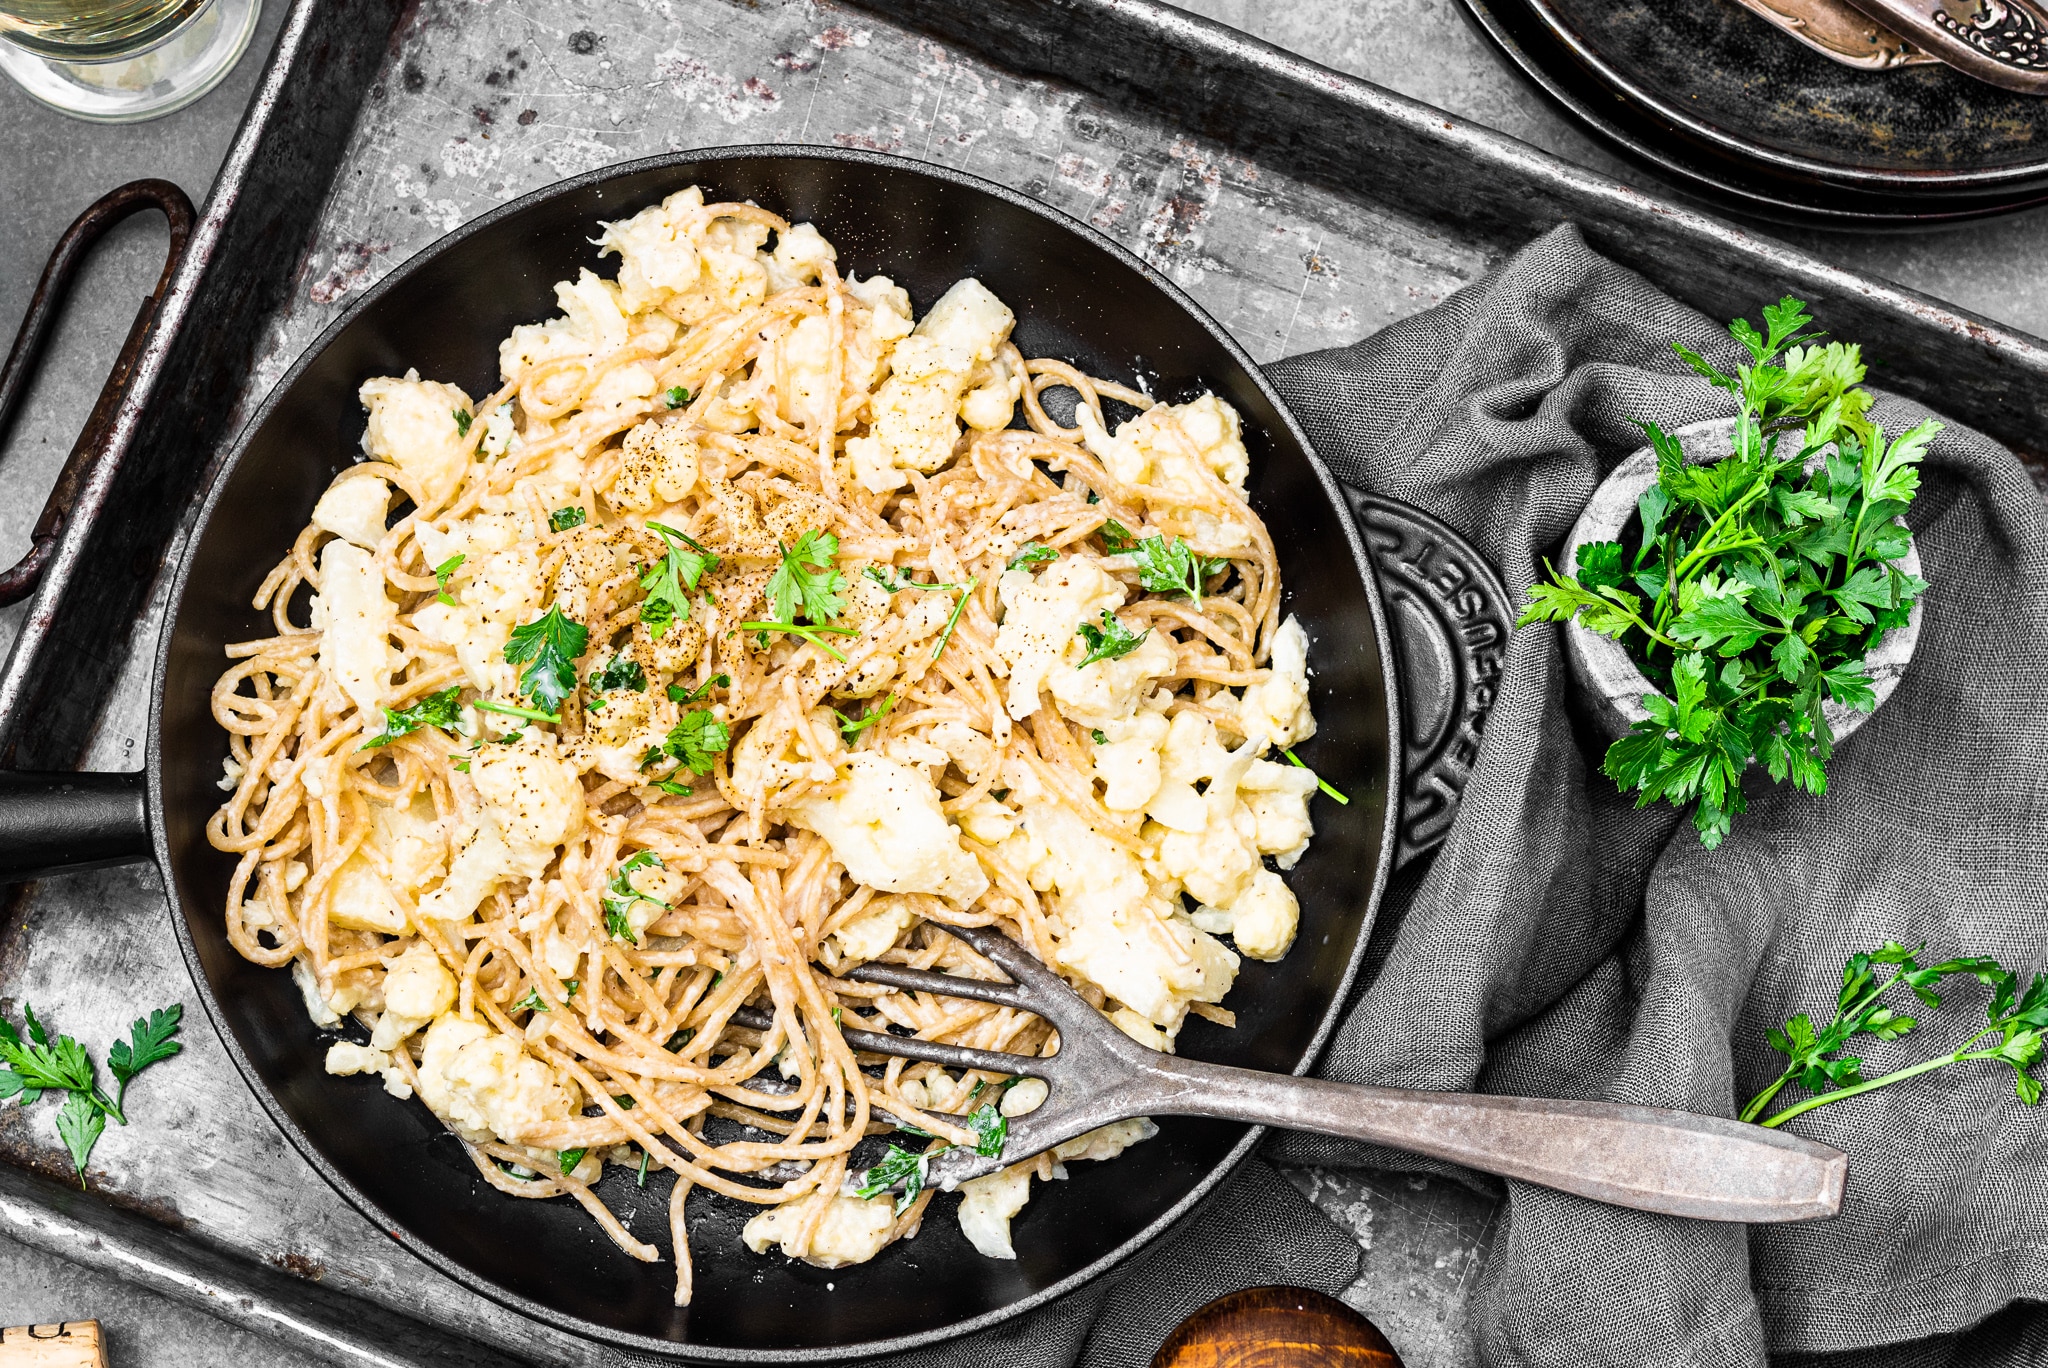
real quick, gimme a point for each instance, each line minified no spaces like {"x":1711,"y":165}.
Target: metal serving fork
{"x":1649,"y":1158}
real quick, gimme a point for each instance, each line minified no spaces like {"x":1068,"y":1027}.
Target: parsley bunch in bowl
{"x":1749,"y":590}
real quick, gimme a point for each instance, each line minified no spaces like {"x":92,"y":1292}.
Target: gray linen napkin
{"x":1564,"y":944}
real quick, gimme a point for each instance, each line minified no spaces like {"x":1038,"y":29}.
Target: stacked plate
{"x":1721,"y":97}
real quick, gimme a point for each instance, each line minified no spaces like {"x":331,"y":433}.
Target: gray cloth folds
{"x":1563,"y":943}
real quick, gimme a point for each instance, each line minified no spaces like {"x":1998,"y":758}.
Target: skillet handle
{"x":52,"y":823}
{"x":1450,"y":617}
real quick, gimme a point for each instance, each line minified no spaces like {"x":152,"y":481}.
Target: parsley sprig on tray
{"x":1814,"y":1054}
{"x":45,"y":1062}
{"x":1750,"y":590}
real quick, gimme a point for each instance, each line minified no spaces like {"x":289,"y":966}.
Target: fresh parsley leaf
{"x":898,"y":1166}
{"x":894,"y":579}
{"x":684,"y":562}
{"x":1815,"y":1058}
{"x":804,"y":631}
{"x":1166,"y":565}
{"x":991,"y":1130}
{"x":953,"y":618}
{"x":514,"y":710}
{"x":435,"y":710}
{"x":442,"y":572}
{"x":532,"y":1002}
{"x":698,"y":740}
{"x":1100,"y":737}
{"x":678,"y":694}
{"x":46,"y":1063}
{"x":462,"y":421}
{"x":568,"y":1159}
{"x":675,"y":396}
{"x":806,"y":581}
{"x":1110,"y":640}
{"x":548,"y":647}
{"x":80,"y":1124}
{"x":569,"y":987}
{"x":149,"y":1042}
{"x":851,"y":728}
{"x":1031,"y":555}
{"x":562,"y":519}
{"x":620,"y":672}
{"x":619,"y":896}
{"x":1782,"y":579}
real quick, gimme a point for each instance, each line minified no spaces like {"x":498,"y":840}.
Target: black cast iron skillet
{"x":1077,"y":296}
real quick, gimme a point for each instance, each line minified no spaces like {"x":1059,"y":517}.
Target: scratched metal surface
{"x":484,"y":101}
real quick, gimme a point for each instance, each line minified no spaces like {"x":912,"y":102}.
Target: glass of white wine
{"x":118,"y":61}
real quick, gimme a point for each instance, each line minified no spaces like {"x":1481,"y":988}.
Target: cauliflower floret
{"x":1106,"y":1142}
{"x":1277,"y":798}
{"x":987,"y":1205}
{"x":535,"y":799}
{"x":1262,"y":920}
{"x":877,"y":928}
{"x":413,"y":426}
{"x":657,"y":465}
{"x":656,"y":256}
{"x":1041,"y":615}
{"x":1175,"y":451}
{"x":1107,"y":691}
{"x":799,"y":258}
{"x":767,"y":758}
{"x":481,"y":859}
{"x":884,"y":823}
{"x":591,"y":324}
{"x":354,"y":508}
{"x":618,"y":737}
{"x":852,"y":1230}
{"x":359,"y":898}
{"x":1119,"y":934}
{"x":345,"y":1058}
{"x":412,"y":840}
{"x":356,"y":616}
{"x":1128,"y":762}
{"x":1276,"y":707}
{"x":916,"y":412}
{"x":418,"y":985}
{"x":485,"y":1086}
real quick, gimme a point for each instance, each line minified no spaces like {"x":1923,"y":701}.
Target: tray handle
{"x":19,"y":581}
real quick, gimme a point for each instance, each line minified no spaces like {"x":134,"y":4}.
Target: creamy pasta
{"x":743,"y":633}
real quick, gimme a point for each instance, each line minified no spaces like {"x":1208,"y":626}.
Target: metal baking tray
{"x":1302,"y":207}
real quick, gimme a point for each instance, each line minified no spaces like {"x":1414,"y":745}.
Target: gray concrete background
{"x":50,"y":168}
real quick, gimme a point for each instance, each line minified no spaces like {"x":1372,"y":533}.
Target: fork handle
{"x":1648,"y":1158}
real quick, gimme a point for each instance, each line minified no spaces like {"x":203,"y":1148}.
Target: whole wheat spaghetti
{"x":745,"y":631}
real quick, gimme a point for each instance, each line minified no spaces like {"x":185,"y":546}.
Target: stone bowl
{"x":1609,"y":682}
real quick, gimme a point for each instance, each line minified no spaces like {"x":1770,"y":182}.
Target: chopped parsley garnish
{"x":953,"y":618}
{"x":673,"y":788}
{"x":698,"y":740}
{"x":814,"y":635}
{"x":619,"y":896}
{"x":562,"y":519}
{"x":620,"y":672}
{"x":991,"y":1130}
{"x":532,"y":1002}
{"x":1165,"y":564}
{"x":569,"y":987}
{"x":807,"y":581}
{"x":676,"y":396}
{"x":899,"y":1165}
{"x":1101,"y":739}
{"x":514,"y":710}
{"x":570,"y":1158}
{"x":1031,"y":555}
{"x":1319,"y":778}
{"x":1110,"y":640}
{"x":678,"y":694}
{"x":680,"y":1039}
{"x":851,"y":727}
{"x":893,"y":579}
{"x":435,"y":710}
{"x":669,"y":584}
{"x":548,"y":647}
{"x":441,"y":575}
{"x":462,"y":421}
{"x":642,"y":1179}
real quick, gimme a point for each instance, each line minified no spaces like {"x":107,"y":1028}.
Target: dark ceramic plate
{"x":1720,"y":101}
{"x":1076,"y":296}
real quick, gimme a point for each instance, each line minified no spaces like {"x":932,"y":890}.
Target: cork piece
{"x":74,"y":1344}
